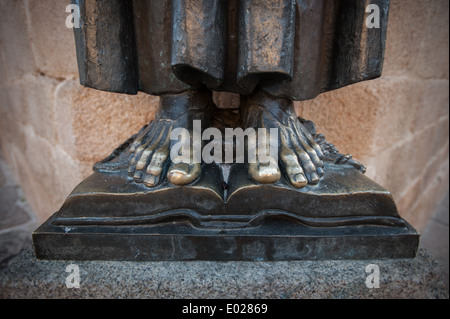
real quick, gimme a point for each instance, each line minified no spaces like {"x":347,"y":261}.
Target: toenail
{"x":314,"y":177}
{"x":131,"y":170}
{"x":151,"y":180}
{"x":138,"y":176}
{"x":320,"y":171}
{"x":177,"y":177}
{"x":299,"y":178}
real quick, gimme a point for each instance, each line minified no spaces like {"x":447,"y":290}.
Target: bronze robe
{"x":289,"y":48}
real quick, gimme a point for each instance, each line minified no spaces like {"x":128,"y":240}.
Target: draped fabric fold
{"x":288,"y":48}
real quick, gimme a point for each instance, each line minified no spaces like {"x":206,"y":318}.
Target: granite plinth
{"x":28,"y":277}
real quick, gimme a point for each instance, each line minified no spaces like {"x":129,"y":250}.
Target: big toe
{"x":265,"y":173}
{"x":183,"y":174}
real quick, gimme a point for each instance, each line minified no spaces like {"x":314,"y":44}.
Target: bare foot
{"x":147,"y":158}
{"x":148,"y":154}
{"x":299,"y":155}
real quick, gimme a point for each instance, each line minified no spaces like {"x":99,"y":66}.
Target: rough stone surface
{"x":52,"y":44}
{"x":16,"y":220}
{"x":419,"y":26}
{"x":91,"y":123}
{"x":13,"y":242}
{"x":433,"y":188}
{"x":16,"y":56}
{"x":339,"y":114}
{"x":11,"y":213}
{"x":403,"y":278}
{"x":436,"y":234}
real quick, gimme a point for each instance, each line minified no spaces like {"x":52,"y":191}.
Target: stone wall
{"x":52,"y":130}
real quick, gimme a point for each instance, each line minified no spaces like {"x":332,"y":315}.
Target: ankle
{"x":281,"y":108}
{"x":171,"y":106}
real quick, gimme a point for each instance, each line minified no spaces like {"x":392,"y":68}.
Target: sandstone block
{"x":38,"y":93}
{"x":406,"y":30}
{"x":15,"y":49}
{"x":433,"y":103}
{"x":396,"y":166}
{"x":347,"y":117}
{"x":429,"y":199}
{"x":53,"y":43}
{"x":433,"y":54}
{"x":399,"y":98}
{"x":433,"y":172}
{"x":90,"y":124}
{"x":13,"y":103}
{"x":38,"y":177}
{"x":409,"y":197}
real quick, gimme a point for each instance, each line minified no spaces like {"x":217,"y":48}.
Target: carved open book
{"x":221,"y":218}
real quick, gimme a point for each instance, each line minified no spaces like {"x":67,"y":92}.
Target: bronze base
{"x":345,"y":216}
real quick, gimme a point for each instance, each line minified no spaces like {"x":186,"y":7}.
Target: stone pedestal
{"x":28,"y":277}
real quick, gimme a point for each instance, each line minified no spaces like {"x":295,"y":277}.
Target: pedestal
{"x":345,"y":216}
{"x":419,"y":277}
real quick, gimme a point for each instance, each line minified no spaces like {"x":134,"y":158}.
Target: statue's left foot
{"x":299,"y":155}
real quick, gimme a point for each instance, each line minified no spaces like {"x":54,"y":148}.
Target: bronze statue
{"x":270,"y":52}
{"x":307,"y":202}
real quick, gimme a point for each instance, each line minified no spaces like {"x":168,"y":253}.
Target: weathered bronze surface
{"x":307,"y":202}
{"x":290,"y":48}
{"x":344,"y":197}
{"x":227,"y":215}
{"x":271,"y":52}
{"x":274,"y":240}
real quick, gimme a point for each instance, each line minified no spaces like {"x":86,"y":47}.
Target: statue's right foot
{"x":149,"y":154}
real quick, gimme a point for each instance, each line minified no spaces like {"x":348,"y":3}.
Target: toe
{"x":307,"y":163}
{"x":306,"y":135}
{"x":156,"y":165}
{"x":155,"y":168}
{"x":293,"y":168}
{"x":313,"y":178}
{"x":137,"y":176}
{"x":320,"y":171}
{"x":265,"y":173}
{"x":142,"y":137}
{"x":304,"y":139}
{"x":139,"y":164}
{"x":314,"y":157}
{"x":134,"y":159}
{"x":183,"y":174}
{"x":265,"y":170}
{"x":151,"y":180}
{"x":143,"y":161}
